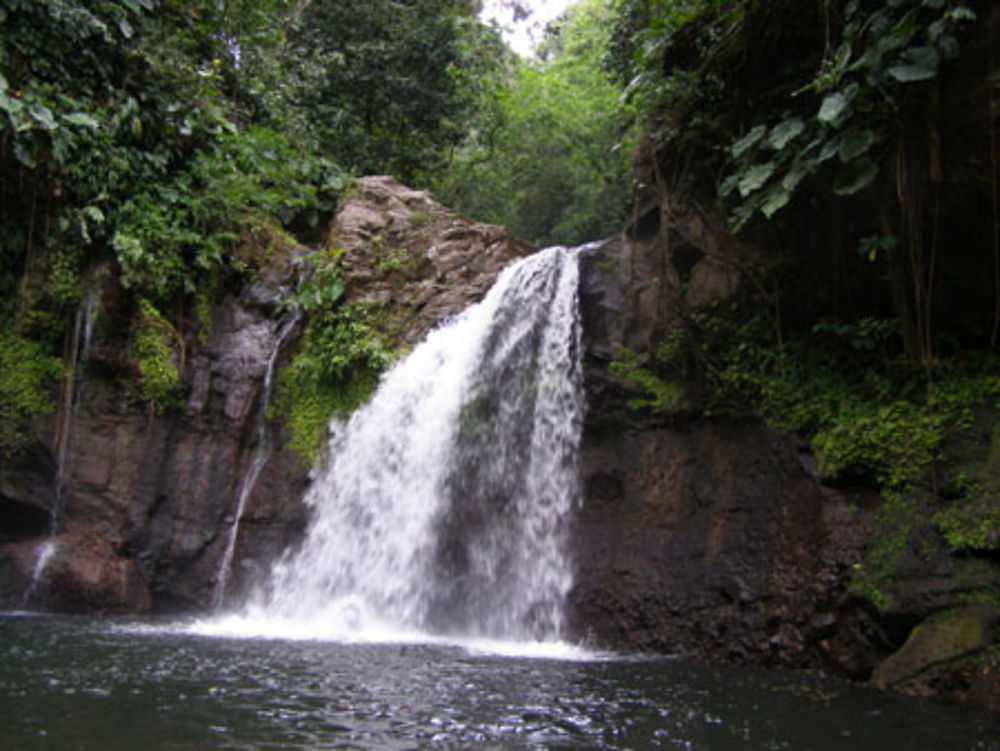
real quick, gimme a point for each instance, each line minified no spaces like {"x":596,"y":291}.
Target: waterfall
{"x":443,"y":505}
{"x":258,"y":459}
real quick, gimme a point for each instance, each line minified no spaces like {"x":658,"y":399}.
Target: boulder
{"x":72,"y":573}
{"x":936,"y":647}
{"x":424,"y":263}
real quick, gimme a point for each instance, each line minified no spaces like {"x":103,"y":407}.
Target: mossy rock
{"x":938,"y":644}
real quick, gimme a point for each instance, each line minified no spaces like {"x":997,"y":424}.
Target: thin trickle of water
{"x":72,"y":395}
{"x":69,"y":403}
{"x":259,"y":458}
{"x":43,"y":554}
{"x":443,"y":504}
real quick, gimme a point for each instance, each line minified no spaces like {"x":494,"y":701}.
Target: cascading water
{"x":444,"y":502}
{"x":258,"y":459}
{"x":77,"y":354}
{"x":42,"y":555}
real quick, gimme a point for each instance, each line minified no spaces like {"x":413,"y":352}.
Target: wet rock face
{"x":697,"y":536}
{"x":150,"y":499}
{"x":693,"y":536}
{"x":702,"y":539}
{"x":162,"y":490}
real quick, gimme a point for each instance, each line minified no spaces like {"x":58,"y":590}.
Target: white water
{"x":42,"y":555}
{"x":441,"y":511}
{"x":261,"y":452}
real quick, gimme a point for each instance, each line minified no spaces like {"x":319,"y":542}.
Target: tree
{"x":549,"y":164}
{"x":382,"y":82}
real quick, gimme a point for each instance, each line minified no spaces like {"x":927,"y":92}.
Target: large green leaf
{"x":81,"y":119}
{"x":43,"y":116}
{"x":777,"y":198}
{"x":918,"y":64}
{"x":855,"y":176}
{"x":784,"y":132}
{"x":854,"y":143}
{"x":832,"y":107}
{"x":751,"y":138}
{"x":754,"y":177}
{"x":11,"y":105}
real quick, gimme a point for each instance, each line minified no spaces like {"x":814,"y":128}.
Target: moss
{"x":420,"y":218}
{"x":24,"y":369}
{"x":150,"y":345}
{"x":262,"y":243}
{"x":656,"y":393}
{"x":891,"y":535}
{"x":937,"y":642}
{"x":203,"y":313}
{"x":308,"y":403}
{"x":340,"y":357}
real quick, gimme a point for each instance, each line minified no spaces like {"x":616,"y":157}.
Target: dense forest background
{"x":175,"y":145}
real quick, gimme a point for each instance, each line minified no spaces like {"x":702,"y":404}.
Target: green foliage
{"x":172,"y":237}
{"x":151,"y":349}
{"x":668,"y":57}
{"x":342,"y":352}
{"x":972,"y":525}
{"x":26,"y":371}
{"x":840,"y":119}
{"x":868,"y":414}
{"x":894,"y":444}
{"x":659,"y":393}
{"x":324,"y":287}
{"x":546,"y":161}
{"x":383,"y":80}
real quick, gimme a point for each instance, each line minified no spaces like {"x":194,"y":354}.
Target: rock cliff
{"x":150,"y":499}
{"x":715,"y":536}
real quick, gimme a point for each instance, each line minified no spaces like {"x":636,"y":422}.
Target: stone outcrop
{"x":701,"y":539}
{"x":942,"y":640}
{"x":73,"y":573}
{"x":403,"y":250}
{"x":149,"y":499}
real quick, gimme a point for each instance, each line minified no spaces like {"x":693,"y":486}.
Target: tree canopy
{"x":549,"y":159}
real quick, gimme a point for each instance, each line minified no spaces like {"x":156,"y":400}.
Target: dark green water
{"x":100,"y":685}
